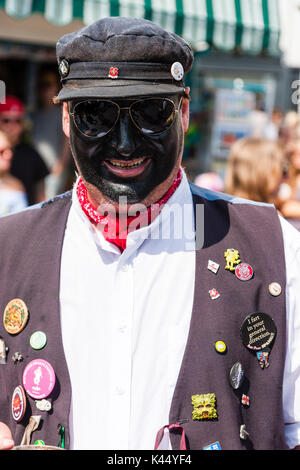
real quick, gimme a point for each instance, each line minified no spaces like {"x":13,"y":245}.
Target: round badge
{"x":177,"y":71}
{"x":18,"y":403}
{"x":244,"y":272}
{"x":220,"y":347}
{"x":38,"y":378}
{"x":275,"y":289}
{"x":15,"y":316}
{"x":258,"y":331}
{"x":38,"y":340}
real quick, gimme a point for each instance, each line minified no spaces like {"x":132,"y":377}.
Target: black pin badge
{"x":258,"y":332}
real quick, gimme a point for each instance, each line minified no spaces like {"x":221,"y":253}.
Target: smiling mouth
{"x":127,"y":168}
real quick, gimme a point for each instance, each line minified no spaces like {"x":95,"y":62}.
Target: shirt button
{"x":120,"y":391}
{"x":125,"y":267}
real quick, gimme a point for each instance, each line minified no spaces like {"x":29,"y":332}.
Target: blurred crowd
{"x":264,"y":166}
{"x":35,"y":158}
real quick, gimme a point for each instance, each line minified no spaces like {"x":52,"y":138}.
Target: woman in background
{"x":12,"y":192}
{"x":255,"y":170}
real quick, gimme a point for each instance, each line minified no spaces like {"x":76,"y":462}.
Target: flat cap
{"x":122,"y":57}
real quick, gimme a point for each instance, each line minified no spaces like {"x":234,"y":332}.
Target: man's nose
{"x":124,"y":135}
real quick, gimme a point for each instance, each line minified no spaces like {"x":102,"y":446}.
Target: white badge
{"x":177,"y":71}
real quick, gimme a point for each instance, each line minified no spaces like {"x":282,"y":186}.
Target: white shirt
{"x":120,"y":317}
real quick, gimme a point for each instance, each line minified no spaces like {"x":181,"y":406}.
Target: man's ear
{"x":66,"y":119}
{"x":185,"y":110}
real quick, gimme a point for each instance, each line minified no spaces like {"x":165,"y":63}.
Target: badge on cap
{"x":232,"y":257}
{"x":177,"y":71}
{"x":38,"y":378}
{"x":236,"y":375}
{"x":113,"y":72}
{"x":244,"y":272}
{"x":204,"y":406}
{"x":275,"y":289}
{"x":18,"y":403}
{"x":15,"y":316}
{"x":38,"y":340}
{"x":64,"y":68}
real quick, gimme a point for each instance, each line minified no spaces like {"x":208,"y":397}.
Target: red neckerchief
{"x":111,"y":228}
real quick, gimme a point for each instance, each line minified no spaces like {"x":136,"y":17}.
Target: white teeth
{"x":127,"y":164}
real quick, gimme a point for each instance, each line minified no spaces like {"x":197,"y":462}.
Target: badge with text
{"x":18,"y":403}
{"x":258,"y":331}
{"x":15,"y":316}
{"x":213,"y":266}
{"x":38,"y":378}
{"x":244,"y":272}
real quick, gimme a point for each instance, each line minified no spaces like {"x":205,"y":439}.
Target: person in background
{"x":27,"y":165}
{"x":48,"y":137}
{"x":289,"y":193}
{"x":271,"y":131}
{"x":12,"y":192}
{"x":254,"y":170}
{"x":290,"y":128}
{"x":210,"y":181}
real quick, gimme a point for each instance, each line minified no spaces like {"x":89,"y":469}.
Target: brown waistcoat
{"x":30,"y":255}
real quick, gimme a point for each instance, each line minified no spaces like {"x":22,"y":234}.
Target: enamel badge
{"x":113,"y":72}
{"x":15,"y":316}
{"x":232,"y":257}
{"x":204,"y":406}
{"x":18,"y":403}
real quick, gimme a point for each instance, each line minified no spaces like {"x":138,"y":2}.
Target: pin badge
{"x":43,"y":405}
{"x":113,"y":72}
{"x":213,"y":446}
{"x":38,"y":340}
{"x":3,"y":351}
{"x":64,"y":68}
{"x":17,"y":357}
{"x":214,"y":294}
{"x":236,"y":375}
{"x":243,"y":432}
{"x":232,"y":257}
{"x":15,"y":316}
{"x":275,"y":289}
{"x":177,"y":71}
{"x":220,"y":347}
{"x":245,"y":400}
{"x":213,"y":266}
{"x":263,"y":357}
{"x":18,"y":403}
{"x":38,"y":378}
{"x":204,"y":406}
{"x":244,"y":272}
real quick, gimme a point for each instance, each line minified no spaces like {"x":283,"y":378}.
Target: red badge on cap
{"x":113,"y":72}
{"x":244,"y":272}
{"x":38,"y":378}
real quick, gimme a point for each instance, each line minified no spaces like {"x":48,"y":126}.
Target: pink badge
{"x":38,"y":378}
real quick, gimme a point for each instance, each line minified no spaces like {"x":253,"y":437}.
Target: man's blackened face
{"x":125,"y":162}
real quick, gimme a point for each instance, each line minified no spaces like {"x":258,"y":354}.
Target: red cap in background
{"x":12,"y":104}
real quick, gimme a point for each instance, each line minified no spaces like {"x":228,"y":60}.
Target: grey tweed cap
{"x":122,"y":57}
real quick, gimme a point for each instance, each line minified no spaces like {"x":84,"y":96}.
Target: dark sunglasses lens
{"x":95,"y":118}
{"x":153,"y":116}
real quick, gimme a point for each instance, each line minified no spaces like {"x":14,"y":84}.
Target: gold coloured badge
{"x":232,"y":258}
{"x":204,"y":406}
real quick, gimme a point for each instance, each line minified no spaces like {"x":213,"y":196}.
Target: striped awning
{"x":249,"y":26}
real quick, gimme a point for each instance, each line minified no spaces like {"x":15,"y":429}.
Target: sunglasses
{"x":152,"y":116}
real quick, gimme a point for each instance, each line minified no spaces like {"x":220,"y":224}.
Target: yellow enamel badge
{"x":232,"y":258}
{"x":204,"y":406}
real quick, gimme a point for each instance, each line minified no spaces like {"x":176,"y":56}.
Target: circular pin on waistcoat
{"x":38,"y":340}
{"x":275,"y":289}
{"x":64,"y":68}
{"x":244,"y":272}
{"x":177,"y":71}
{"x":38,"y":378}
{"x":15,"y":316}
{"x":258,"y":331}
{"x":220,"y":347}
{"x":18,"y":403}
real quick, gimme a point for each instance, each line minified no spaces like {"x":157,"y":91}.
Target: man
{"x":27,"y":164}
{"x":158,"y":312}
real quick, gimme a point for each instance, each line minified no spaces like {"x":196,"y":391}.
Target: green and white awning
{"x":251,"y":26}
